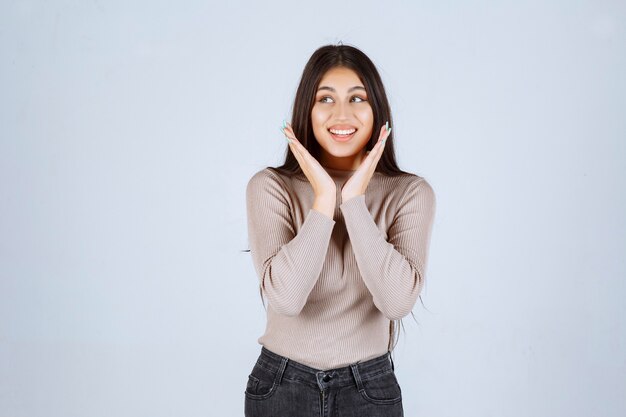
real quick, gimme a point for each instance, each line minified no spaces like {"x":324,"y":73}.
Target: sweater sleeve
{"x":287,"y":264}
{"x":393,"y":270}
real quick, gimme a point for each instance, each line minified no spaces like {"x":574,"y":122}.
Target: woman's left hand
{"x":358,"y":182}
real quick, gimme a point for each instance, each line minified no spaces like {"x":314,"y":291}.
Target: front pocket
{"x":261,"y":383}
{"x":251,"y":386}
{"x":382,"y":389}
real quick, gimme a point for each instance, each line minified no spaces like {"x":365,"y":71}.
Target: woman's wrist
{"x":325,"y":205}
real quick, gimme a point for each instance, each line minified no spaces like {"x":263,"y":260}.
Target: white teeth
{"x":342,"y":132}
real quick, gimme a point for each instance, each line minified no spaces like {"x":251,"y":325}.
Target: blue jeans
{"x":281,"y":387}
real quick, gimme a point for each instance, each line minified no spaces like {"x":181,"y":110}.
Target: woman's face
{"x":342,"y":119}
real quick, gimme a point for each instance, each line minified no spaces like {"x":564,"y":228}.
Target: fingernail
{"x":389,"y":131}
{"x":284,"y":124}
{"x":387,"y":126}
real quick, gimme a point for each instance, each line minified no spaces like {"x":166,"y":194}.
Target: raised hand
{"x":323,"y":185}
{"x":358,"y":182}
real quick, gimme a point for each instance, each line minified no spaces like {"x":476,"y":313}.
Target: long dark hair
{"x":322,"y":60}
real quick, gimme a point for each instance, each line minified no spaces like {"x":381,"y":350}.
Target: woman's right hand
{"x":323,"y":185}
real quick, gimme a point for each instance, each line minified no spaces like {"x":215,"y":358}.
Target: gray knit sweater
{"x":333,"y":285}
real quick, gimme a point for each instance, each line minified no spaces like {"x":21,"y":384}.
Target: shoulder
{"x":262,"y":176}
{"x":420,"y":184}
{"x":404,"y":181}
{"x":266,"y":179}
{"x":410,"y":187}
{"x":420,"y":192}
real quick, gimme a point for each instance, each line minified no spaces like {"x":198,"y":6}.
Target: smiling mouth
{"x":342,"y":135}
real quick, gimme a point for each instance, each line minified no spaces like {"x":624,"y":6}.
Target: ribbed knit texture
{"x":333,"y":285}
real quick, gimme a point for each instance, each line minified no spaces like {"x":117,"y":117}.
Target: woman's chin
{"x":342,"y":153}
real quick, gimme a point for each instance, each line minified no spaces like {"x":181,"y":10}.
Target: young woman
{"x":339,"y":238}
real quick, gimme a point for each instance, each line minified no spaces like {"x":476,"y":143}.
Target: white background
{"x":129,"y":131}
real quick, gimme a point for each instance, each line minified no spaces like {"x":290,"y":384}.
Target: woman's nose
{"x":342,"y":110}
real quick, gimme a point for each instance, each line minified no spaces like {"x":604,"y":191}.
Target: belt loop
{"x":281,"y":370}
{"x":391,"y":359}
{"x":357,"y":376}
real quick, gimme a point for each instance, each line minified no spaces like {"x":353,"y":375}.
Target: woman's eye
{"x":327,"y":99}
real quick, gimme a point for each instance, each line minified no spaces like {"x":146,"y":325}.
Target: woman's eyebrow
{"x":356,"y":87}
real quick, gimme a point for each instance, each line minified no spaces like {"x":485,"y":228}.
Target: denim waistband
{"x":357,"y":372}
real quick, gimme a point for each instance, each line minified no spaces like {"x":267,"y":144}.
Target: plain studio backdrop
{"x":128,"y":135}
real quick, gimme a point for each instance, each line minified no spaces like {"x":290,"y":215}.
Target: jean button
{"x":326,"y":378}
